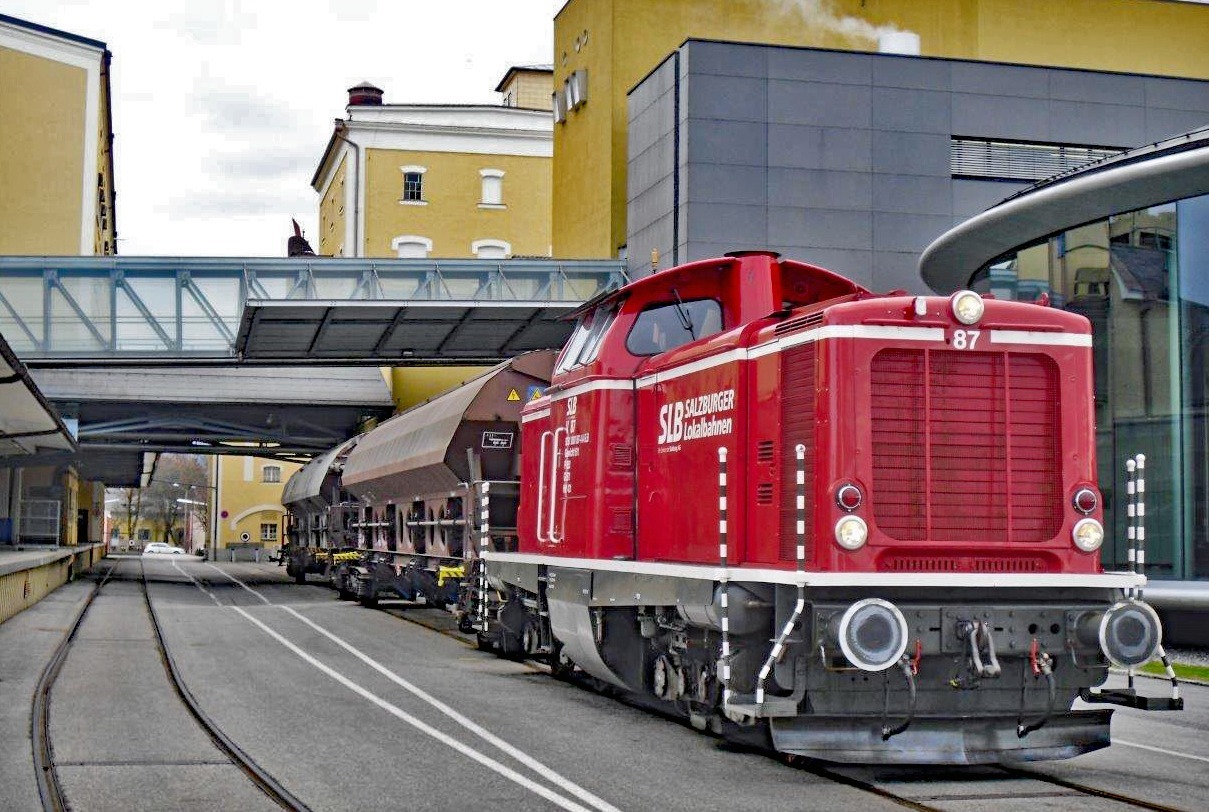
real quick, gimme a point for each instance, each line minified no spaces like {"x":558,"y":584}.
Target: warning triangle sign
{"x":514,"y":395}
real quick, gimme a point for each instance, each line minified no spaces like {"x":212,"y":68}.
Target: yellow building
{"x":441,"y":180}
{"x":56,"y":198}
{"x":249,"y":517}
{"x":603,"y":48}
{"x":56,"y":157}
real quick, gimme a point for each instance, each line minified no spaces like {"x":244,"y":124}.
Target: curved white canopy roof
{"x":1169,"y":170}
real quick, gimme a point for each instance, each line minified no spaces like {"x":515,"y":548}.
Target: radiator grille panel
{"x":966,"y":446}
{"x":798,"y":383}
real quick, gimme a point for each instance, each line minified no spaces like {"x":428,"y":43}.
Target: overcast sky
{"x":222,"y":108}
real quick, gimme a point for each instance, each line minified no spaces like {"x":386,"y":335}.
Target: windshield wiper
{"x":682,"y":313}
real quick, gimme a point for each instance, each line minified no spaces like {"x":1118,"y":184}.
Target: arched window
{"x":491,"y":249}
{"x":409,"y":246}
{"x":493,"y":188}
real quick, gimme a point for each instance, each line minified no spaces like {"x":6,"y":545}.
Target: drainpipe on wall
{"x":341,"y":129}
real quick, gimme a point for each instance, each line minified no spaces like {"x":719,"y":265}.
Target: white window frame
{"x":275,"y":478}
{"x":402,"y":240}
{"x":417,"y":170}
{"x":269,"y":531}
{"x":478,"y":245}
{"x":492,"y":195}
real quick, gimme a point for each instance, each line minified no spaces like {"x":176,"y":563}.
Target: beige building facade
{"x":56,"y":158}
{"x":441,"y":181}
{"x":57,"y":199}
{"x":249,"y":519}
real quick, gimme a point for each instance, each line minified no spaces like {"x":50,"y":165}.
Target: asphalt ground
{"x":352,"y":708}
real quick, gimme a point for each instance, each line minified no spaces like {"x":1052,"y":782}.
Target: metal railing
{"x":127,"y":307}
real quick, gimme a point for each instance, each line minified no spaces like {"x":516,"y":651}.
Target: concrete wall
{"x":843,"y":159}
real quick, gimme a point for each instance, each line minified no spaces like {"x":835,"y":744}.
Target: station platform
{"x":29,"y":574}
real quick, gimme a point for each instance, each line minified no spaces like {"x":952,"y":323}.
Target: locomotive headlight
{"x":872,"y":633}
{"x":851,"y":532}
{"x":967,"y":307}
{"x":1088,"y":535}
{"x":1130,"y":633}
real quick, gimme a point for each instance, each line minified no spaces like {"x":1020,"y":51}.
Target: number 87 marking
{"x":965,"y":339}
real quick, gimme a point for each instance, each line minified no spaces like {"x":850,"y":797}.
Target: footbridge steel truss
{"x":80,"y":310}
{"x":106,"y":339}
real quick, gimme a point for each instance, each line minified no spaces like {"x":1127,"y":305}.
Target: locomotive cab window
{"x":667,"y":325}
{"x":584,"y":344}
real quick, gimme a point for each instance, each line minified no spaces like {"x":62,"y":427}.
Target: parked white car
{"x":160,"y":548}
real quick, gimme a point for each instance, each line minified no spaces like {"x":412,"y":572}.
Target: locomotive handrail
{"x":541,"y":485}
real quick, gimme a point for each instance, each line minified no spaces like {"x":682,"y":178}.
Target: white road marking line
{"x":486,"y":735}
{"x":1161,"y":750}
{"x":423,"y":727}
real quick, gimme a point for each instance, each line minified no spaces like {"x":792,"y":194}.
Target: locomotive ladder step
{"x":772,"y":706}
{"x":1129,"y":698}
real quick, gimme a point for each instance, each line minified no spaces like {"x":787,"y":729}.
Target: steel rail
{"x":49,"y":789}
{"x":267,"y":784}
{"x":1106,"y":794}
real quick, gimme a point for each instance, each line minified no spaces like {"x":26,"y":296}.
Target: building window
{"x":413,"y":184}
{"x":271,"y":473}
{"x":410,"y":246}
{"x":268,"y":532}
{"x":144,"y":534}
{"x":491,"y":249}
{"x":1018,"y":160}
{"x":493,"y":188}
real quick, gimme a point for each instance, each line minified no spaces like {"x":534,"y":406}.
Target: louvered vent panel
{"x":621,"y":457}
{"x":899,"y":441}
{"x":798,"y":416}
{"x":800,"y":323}
{"x":966,"y":446}
{"x":764,"y":493}
{"x":766,"y":451}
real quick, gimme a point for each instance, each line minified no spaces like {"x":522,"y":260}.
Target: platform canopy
{"x":29,"y":425}
{"x":430,"y":332}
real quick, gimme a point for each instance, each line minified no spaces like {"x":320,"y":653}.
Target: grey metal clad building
{"x":857,"y":161}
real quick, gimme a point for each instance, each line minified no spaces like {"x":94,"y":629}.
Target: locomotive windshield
{"x":665,"y":326}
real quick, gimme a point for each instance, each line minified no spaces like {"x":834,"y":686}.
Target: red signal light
{"x":849,"y":497}
{"x":1086,"y":501}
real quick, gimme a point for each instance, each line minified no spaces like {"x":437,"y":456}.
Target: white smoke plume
{"x":820,"y":14}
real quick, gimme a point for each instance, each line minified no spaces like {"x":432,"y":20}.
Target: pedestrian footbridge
{"x":275,"y":356}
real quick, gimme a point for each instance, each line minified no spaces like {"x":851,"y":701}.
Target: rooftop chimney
{"x":364,"y":94}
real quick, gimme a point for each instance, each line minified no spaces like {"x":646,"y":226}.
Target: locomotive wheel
{"x":560,"y":665}
{"x":483,"y":643}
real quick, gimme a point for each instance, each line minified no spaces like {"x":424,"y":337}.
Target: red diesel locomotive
{"x":861,"y":527}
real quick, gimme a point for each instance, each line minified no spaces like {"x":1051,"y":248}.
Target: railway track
{"x":50,"y":788}
{"x":1039,"y":786}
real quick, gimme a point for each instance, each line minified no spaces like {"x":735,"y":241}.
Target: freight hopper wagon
{"x":319,"y":516}
{"x":436,"y":482}
{"x":865,"y":526}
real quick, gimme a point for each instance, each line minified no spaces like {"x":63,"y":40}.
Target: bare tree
{"x":177,"y":476}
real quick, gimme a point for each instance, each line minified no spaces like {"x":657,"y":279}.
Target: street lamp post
{"x":189,"y":503}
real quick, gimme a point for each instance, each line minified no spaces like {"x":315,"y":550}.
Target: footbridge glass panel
{"x":132,"y":308}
